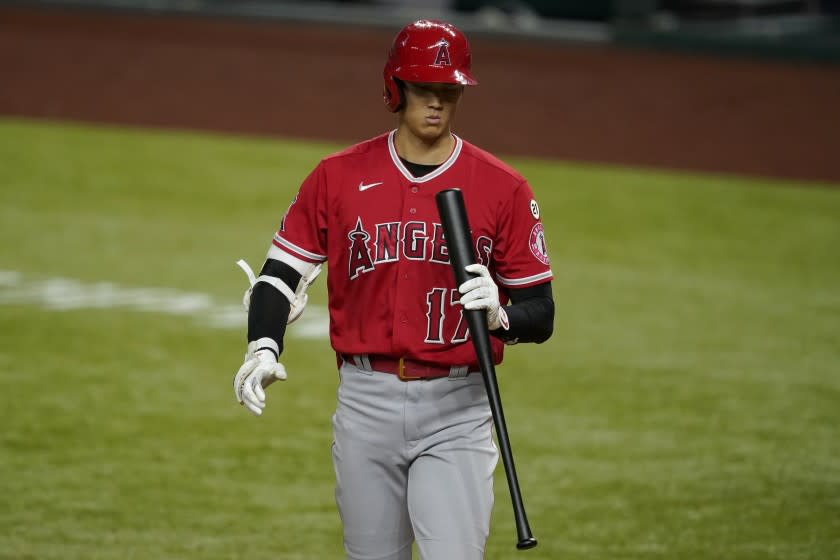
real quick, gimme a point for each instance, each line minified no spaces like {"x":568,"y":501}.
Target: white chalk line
{"x":67,"y":294}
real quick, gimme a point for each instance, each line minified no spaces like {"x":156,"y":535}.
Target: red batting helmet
{"x":426,"y":51}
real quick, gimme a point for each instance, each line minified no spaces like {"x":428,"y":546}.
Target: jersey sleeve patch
{"x":535,"y":209}
{"x":536,"y":243}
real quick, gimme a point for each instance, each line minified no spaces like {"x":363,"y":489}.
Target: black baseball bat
{"x":456,"y":231}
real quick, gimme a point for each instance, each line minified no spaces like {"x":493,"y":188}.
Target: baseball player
{"x":412,"y":449}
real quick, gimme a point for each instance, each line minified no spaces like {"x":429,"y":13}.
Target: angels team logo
{"x":390,"y":242}
{"x":442,"y":57}
{"x":537,"y":244}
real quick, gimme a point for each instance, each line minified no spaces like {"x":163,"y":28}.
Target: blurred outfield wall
{"x":572,"y":93}
{"x":802,"y":29}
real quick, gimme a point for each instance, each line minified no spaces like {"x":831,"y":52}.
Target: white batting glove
{"x":260,"y":370}
{"x":483,"y":293}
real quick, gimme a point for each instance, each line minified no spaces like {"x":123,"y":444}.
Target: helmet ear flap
{"x":393,"y":94}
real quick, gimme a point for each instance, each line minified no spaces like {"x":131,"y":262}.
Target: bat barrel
{"x":456,"y":231}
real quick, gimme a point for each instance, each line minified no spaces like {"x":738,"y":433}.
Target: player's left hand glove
{"x":260,"y":370}
{"x":483,"y":293}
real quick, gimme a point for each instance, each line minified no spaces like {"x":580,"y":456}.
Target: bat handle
{"x":525,"y":538}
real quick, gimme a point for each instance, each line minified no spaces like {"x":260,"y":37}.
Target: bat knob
{"x":524,"y":544}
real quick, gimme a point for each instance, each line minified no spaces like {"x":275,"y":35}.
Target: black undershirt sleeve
{"x":531,"y":315}
{"x":269,"y":309}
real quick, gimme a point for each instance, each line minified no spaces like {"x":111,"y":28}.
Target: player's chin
{"x":431,"y":129}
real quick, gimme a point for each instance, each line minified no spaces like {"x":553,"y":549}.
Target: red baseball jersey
{"x":391,"y":287}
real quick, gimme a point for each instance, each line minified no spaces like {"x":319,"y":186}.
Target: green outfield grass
{"x":687,"y":407}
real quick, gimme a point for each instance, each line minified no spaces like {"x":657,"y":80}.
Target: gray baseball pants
{"x":413,"y":461}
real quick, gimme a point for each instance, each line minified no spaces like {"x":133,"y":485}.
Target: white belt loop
{"x":458,"y":372}
{"x":362,"y":362}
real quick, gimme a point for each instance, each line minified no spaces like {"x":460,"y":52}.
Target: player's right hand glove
{"x":260,"y":370}
{"x":482,"y":292}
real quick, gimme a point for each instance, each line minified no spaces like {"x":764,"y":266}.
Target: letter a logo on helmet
{"x":426,"y":51}
{"x":442,"y":58}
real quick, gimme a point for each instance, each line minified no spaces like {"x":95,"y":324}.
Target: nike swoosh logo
{"x":363,"y":187}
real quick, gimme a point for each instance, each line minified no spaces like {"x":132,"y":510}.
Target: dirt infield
{"x":582,"y":103}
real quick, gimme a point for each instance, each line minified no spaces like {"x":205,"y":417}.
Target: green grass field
{"x":687,"y":407}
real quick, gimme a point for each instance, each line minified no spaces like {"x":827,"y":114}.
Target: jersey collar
{"x":436,"y":173}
